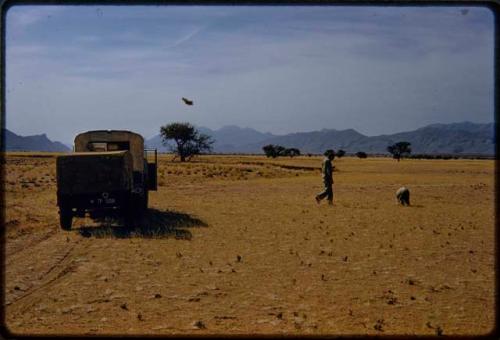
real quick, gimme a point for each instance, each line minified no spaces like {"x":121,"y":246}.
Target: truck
{"x":108,"y":171}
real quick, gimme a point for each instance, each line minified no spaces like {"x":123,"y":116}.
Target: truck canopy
{"x":112,"y":140}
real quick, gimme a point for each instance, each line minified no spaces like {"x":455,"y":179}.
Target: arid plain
{"x":238,"y":245}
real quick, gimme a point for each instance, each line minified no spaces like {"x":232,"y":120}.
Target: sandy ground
{"x":237,"y":245}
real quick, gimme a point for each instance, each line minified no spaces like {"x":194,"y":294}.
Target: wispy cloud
{"x":188,"y":36}
{"x":21,"y":17}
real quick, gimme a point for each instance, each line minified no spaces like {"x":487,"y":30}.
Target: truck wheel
{"x":129,"y":213}
{"x":65,"y":218}
{"x":145,"y":200}
{"x":128,"y":220}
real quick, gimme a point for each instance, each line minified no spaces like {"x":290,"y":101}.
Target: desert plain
{"x":237,"y":245}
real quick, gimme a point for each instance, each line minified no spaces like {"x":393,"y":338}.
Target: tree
{"x":277,"y":150}
{"x":361,"y":154}
{"x":340,"y":153}
{"x":270,"y":151}
{"x":400,"y":149}
{"x":291,"y":152}
{"x":280,"y":150}
{"x":188,"y":141}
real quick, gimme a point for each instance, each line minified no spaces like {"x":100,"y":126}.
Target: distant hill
{"x":15,"y":142}
{"x":455,"y":138}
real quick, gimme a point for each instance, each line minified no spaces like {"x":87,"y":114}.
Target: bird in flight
{"x":187,"y":101}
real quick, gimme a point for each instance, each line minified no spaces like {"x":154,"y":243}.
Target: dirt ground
{"x":238,"y":245}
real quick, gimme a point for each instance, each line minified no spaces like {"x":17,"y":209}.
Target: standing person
{"x":327,"y":172}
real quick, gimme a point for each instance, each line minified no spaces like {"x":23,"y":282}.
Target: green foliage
{"x":292,"y":152}
{"x":340,"y":153}
{"x":361,"y":154}
{"x":399,"y":149}
{"x":188,"y":141}
{"x":277,"y":150}
{"x":270,"y":151}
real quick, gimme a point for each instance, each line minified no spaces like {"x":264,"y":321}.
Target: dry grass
{"x":237,"y":245}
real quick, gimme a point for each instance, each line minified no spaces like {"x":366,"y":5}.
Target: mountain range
{"x":455,"y":138}
{"x":14,"y":142}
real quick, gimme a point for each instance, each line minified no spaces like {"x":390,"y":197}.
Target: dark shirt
{"x":327,"y":170}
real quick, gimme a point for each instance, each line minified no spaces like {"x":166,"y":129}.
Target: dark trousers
{"x":328,"y":192}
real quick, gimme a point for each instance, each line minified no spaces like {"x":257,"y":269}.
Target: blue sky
{"x":276,"y":69}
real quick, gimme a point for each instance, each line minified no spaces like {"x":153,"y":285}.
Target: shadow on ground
{"x":154,"y":224}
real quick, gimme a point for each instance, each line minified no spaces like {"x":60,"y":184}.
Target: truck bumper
{"x":92,"y":201}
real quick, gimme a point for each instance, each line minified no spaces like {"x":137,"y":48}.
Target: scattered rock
{"x":124,"y":306}
{"x":199,"y":325}
{"x":157,"y":295}
{"x":392,"y":300}
{"x":379,"y":325}
{"x":238,"y":258}
{"x":139,"y":317}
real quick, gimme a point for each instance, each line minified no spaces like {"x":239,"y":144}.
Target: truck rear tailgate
{"x":94,"y":172}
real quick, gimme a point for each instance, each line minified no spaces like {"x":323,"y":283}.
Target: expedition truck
{"x":108,"y":170}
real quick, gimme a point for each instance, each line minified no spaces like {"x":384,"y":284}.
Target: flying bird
{"x":187,"y":101}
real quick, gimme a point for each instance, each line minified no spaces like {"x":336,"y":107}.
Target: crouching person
{"x":403,"y":196}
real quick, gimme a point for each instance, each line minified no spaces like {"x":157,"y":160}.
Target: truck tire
{"x":145,"y":200}
{"x":128,"y":219}
{"x":130,"y":211}
{"x":65,"y":218}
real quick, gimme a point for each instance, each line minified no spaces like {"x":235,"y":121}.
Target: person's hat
{"x":329,"y":152}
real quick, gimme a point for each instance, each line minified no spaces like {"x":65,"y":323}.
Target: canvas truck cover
{"x":134,"y":140}
{"x":92,"y":172}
